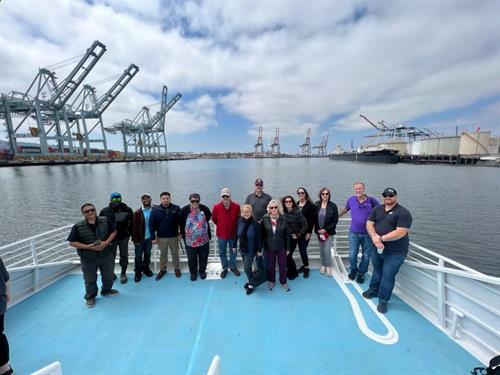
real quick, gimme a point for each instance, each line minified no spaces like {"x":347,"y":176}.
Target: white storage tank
{"x":449,"y":145}
{"x":475,"y":143}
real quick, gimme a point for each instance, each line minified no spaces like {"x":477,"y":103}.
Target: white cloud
{"x":282,"y":64}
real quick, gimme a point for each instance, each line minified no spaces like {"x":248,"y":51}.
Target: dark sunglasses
{"x":301,"y":192}
{"x":325,"y":193}
{"x":225,"y":196}
{"x":288,"y":201}
{"x":388,"y":195}
{"x":274,"y":207}
{"x":89,"y":210}
{"x":195,"y":201}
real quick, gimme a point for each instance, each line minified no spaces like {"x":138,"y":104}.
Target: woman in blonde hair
{"x":276,"y":242}
{"x":250,"y":244}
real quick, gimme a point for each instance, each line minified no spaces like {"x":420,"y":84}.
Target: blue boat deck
{"x":176,"y":326}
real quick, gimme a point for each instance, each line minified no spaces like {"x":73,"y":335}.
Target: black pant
{"x":197,"y":258}
{"x":106,"y":265}
{"x":4,"y":344}
{"x":123,"y":246}
{"x":302,"y":242}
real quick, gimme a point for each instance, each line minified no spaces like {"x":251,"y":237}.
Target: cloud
{"x":282,"y":64}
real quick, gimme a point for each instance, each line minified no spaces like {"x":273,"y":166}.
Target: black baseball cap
{"x":389,"y":191}
{"x":259,"y":182}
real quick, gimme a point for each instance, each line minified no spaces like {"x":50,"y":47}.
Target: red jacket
{"x":226,"y":220}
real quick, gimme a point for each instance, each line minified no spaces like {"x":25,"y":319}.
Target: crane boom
{"x":371,"y":123}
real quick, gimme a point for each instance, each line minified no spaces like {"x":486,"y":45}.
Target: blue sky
{"x":288,"y":64}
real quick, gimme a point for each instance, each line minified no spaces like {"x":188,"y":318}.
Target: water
{"x":455,"y":209}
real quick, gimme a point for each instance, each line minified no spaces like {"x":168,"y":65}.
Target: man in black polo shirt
{"x":388,"y":227}
{"x":92,"y":238}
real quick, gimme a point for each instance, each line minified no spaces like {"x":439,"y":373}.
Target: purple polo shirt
{"x":360,"y":212}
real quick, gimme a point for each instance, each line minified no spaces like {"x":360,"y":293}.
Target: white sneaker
{"x":328,"y":271}
{"x":322,"y":270}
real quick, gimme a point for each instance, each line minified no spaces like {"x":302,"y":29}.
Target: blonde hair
{"x":246,"y":206}
{"x":274,"y":202}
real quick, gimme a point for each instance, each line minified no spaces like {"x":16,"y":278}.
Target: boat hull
{"x":379,"y":156}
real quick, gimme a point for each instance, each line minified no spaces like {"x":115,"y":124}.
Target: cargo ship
{"x":368,"y":156}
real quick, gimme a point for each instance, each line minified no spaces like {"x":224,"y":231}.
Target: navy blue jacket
{"x":164,"y":221}
{"x":253,"y":240}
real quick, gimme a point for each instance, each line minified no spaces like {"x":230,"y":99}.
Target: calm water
{"x":455,"y":209}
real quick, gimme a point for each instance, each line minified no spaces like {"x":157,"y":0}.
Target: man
{"x":121,"y":215}
{"x":164,"y":230}
{"x":388,"y":227}
{"x":258,"y":200}
{"x":225,"y":216}
{"x":141,"y":236}
{"x":92,"y":238}
{"x":360,"y":206}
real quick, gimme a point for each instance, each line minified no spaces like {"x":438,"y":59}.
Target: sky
{"x":241,"y":65}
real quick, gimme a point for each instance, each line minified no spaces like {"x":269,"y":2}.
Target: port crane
{"x":409,"y":133}
{"x":259,"y":145}
{"x":275,"y":145}
{"x":322,"y":146}
{"x":306,"y":146}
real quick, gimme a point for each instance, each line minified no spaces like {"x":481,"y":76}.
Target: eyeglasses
{"x":195,"y":201}
{"x":388,"y":195}
{"x":301,"y":192}
{"x":325,"y":193}
{"x":225,"y":196}
{"x":273,"y":207}
{"x":116,"y":199}
{"x":288,"y":201}
{"x":89,"y":210}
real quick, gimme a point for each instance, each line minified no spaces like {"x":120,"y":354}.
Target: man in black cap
{"x":258,"y":200}
{"x":388,"y":226}
{"x":141,"y":237}
{"x":121,"y":215}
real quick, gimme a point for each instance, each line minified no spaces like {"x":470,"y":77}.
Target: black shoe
{"x":114,"y":277}
{"x":193,"y":277}
{"x":246,"y":285}
{"x":10,"y":371}
{"x":306,"y":273}
{"x":147,"y":272}
{"x":235,"y":271}
{"x":352,"y":275}
{"x":361,"y":278}
{"x":137,"y":277}
{"x":203,"y":275}
{"x":111,"y":292}
{"x":90,"y":302}
{"x":382,"y":307}
{"x":160,"y":274}
{"x":249,"y":290}
{"x":301,"y":269}
{"x":369,"y":294}
{"x":177,"y":272}
{"x":123,"y":278}
{"x":223,"y":274}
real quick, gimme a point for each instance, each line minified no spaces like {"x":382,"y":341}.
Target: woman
{"x":276,"y":243}
{"x":297,"y":226}
{"x":308,"y":209}
{"x":248,"y":232}
{"x":326,"y":223}
{"x":5,"y":368}
{"x":195,"y":231}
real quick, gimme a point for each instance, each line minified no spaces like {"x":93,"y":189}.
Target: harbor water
{"x":455,"y":209}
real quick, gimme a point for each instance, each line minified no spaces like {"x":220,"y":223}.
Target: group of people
{"x":266,"y":231}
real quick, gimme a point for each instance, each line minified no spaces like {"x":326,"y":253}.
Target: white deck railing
{"x":461,"y":301}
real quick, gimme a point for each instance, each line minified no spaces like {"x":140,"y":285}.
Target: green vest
{"x":88,"y":236}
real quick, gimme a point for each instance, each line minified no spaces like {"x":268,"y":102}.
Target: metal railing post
{"x":441,"y":294}
{"x":36,"y":271}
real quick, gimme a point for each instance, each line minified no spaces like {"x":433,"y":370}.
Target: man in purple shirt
{"x":360,"y":206}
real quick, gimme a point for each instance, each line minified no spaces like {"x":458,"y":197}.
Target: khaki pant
{"x":164,"y":243}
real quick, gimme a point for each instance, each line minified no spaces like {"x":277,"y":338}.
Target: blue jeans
{"x":367,"y":248}
{"x":385,"y":268}
{"x":143,"y":255}
{"x":223,"y":244}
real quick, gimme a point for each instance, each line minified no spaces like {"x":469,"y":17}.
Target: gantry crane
{"x":40,"y":112}
{"x":322,"y":146}
{"x":275,"y":145}
{"x":259,"y":146}
{"x":306,"y":146}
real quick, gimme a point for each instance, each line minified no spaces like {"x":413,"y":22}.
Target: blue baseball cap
{"x":116,"y":195}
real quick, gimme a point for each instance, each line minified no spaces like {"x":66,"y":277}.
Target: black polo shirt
{"x":386,"y":222}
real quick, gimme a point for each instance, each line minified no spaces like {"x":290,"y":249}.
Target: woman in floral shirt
{"x":195,"y":231}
